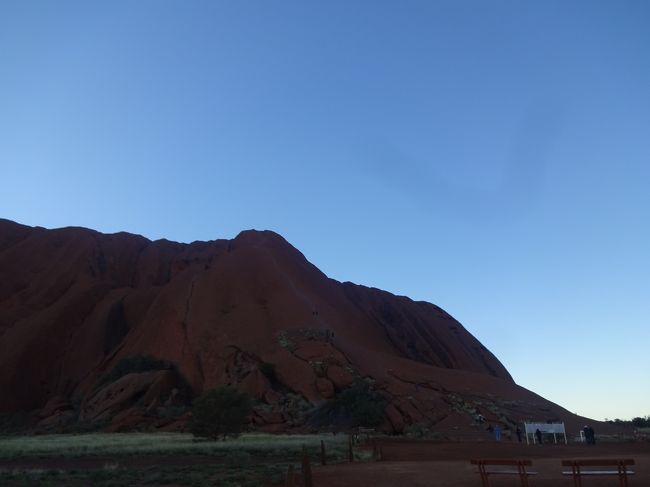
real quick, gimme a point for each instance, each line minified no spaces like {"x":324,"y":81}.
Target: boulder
{"x":340,"y":377}
{"x":272,"y":397}
{"x":325,"y":387}
{"x":55,"y":405}
{"x":407,"y":409}
{"x":273,"y":417}
{"x":395,"y":418}
{"x":128,"y":420}
{"x":319,"y":351}
{"x":58,"y":419}
{"x":144,"y":390}
{"x":256,"y":384}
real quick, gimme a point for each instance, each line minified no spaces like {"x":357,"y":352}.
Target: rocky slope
{"x":251,"y":311}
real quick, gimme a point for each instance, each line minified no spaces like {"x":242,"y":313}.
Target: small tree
{"x":358,"y":405}
{"x":365,"y":406}
{"x":640,"y":422}
{"x":220,"y":412}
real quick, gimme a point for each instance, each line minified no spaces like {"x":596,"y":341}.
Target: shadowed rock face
{"x":73,"y":302}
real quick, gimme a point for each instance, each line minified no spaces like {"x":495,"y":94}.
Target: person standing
{"x":538,"y":435}
{"x":479,"y":417}
{"x":518,"y":434}
{"x":497,"y":432}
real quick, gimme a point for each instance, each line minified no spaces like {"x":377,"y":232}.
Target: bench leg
{"x":484,"y":476}
{"x":577,"y":479}
{"x":522,"y":475}
{"x":622,"y":475}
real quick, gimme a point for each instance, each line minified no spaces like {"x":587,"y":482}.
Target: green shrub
{"x":16,"y":422}
{"x":219,"y":413}
{"x":358,"y":405}
{"x":417,"y":430}
{"x":365,"y":406}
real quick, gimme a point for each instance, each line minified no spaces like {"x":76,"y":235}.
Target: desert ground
{"x":404,"y":463}
{"x":432,"y":464}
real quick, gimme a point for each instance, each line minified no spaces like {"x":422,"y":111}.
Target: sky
{"x":490,"y":157}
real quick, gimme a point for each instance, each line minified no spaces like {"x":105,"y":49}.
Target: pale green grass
{"x":164,"y":443}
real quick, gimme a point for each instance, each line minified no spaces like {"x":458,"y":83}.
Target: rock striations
{"x":251,"y":311}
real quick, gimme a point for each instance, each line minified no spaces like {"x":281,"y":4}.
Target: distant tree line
{"x":638,"y":422}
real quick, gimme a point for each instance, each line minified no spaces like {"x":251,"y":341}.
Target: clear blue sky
{"x":490,"y":157}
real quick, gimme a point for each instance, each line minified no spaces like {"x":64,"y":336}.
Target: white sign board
{"x":544,"y":428}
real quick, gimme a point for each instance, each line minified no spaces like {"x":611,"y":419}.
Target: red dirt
{"x":411,"y":464}
{"x":417,"y":464}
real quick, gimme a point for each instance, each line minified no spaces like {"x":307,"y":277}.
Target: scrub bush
{"x":219,"y":413}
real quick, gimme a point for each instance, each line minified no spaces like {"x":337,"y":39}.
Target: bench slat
{"x":595,"y":462}
{"x":509,"y":472}
{"x":501,"y":461}
{"x":600,"y":472}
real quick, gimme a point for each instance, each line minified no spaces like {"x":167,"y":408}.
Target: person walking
{"x":592,"y":436}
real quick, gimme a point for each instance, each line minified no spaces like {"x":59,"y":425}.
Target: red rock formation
{"x":73,"y":302}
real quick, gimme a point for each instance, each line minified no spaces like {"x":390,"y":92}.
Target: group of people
{"x":588,"y":431}
{"x":496,"y":430}
{"x":590,"y":437}
{"x":497,"y":433}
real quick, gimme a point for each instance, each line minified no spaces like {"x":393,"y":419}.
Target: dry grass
{"x":71,"y":445}
{"x":248,"y":461}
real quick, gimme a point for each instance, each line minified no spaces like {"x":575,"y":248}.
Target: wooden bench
{"x":485,"y":469}
{"x":577,"y":472}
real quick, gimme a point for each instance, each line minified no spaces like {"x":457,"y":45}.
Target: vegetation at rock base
{"x":219,"y":413}
{"x":417,"y":431}
{"x":358,"y":405}
{"x":12,"y":423}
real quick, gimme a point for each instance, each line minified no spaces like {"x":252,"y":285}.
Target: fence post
{"x":290,"y":478}
{"x":350,"y":453}
{"x":306,"y":468}
{"x":323,"y":458}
